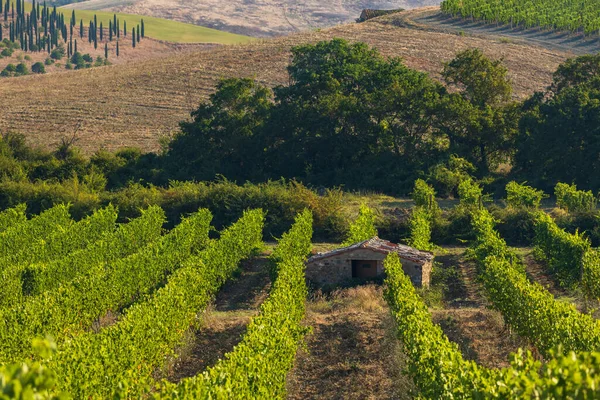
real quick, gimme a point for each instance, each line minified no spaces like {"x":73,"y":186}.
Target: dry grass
{"x":352,"y":352}
{"x":137,"y":103}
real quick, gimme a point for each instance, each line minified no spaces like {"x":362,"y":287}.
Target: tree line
{"x":351,"y":117}
{"x":44,"y":28}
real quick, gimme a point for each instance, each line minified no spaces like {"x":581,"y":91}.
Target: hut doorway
{"x":364,"y":269}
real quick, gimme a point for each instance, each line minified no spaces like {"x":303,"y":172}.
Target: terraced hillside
{"x":136,"y":104}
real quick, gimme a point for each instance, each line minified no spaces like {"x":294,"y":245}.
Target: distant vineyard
{"x":582,"y":15}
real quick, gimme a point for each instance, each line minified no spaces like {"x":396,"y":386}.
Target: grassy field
{"x":138,"y":103}
{"x":162,"y":29}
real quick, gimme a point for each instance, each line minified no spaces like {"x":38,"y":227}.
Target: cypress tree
{"x":143,"y":33}
{"x":110,"y":31}
{"x":101,"y":32}
{"x":1,"y":7}
{"x":106,"y":50}
{"x":125,"y":28}
{"x":133,"y":37}
{"x":138,"y":33}
{"x":73,"y":21}
{"x":75,"y":47}
{"x":115,"y":23}
{"x":117,"y":48}
{"x":118,"y":29}
{"x":1,"y":30}
{"x":81,"y":29}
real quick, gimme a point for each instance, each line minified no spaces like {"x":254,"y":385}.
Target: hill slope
{"x":136,"y":104}
{"x":254,"y":18}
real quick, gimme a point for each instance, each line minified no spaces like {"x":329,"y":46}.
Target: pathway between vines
{"x":225,"y":321}
{"x":352,"y":352}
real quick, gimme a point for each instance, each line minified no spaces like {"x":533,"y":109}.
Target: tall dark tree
{"x":81,"y":29}
{"x":138,"y":33}
{"x":133,"y":37}
{"x":479,"y":119}
{"x":117,"y":48}
{"x":106,"y":50}
{"x":143,"y":30}
{"x":560,"y":132}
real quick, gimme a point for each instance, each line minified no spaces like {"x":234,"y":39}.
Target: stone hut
{"x":364,"y":260}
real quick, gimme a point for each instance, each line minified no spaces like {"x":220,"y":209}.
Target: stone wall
{"x":337,"y":269}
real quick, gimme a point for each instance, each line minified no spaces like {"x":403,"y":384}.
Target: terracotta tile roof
{"x":380,"y":246}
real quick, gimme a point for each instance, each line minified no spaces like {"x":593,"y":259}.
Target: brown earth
{"x":137,"y":103}
{"x":224,"y":324}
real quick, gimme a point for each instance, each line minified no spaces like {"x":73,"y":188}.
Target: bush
{"x":49,"y":61}
{"x":58,"y":53}
{"x":38,"y":68}
{"x":6,"y":52}
{"x":22,"y":69}
{"x":523,"y":196}
{"x":424,"y":196}
{"x":87,"y":58}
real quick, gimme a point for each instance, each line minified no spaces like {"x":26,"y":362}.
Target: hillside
{"x":261,"y":19}
{"x":165,"y":29}
{"x":136,"y":104}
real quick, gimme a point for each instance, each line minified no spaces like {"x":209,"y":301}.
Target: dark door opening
{"x":364,"y":269}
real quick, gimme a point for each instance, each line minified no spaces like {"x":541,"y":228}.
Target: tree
{"x":138,"y":33}
{"x":81,"y":29}
{"x":125,"y":28}
{"x":143,"y":30}
{"x":38,"y":68}
{"x":133,"y":37}
{"x":229,"y":122}
{"x":479,"y":120}
{"x":560,"y":132}
{"x":106,"y":50}
{"x":117,"y":49}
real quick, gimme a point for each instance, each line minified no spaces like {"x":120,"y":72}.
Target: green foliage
{"x":573,"y":200}
{"x":12,"y":217}
{"x":449,"y":175}
{"x":439,"y":371}
{"x":527,"y":307}
{"x":24,"y":280}
{"x":420,"y":229}
{"x":15,"y":241}
{"x":479,"y":120}
{"x":38,"y":68}
{"x":74,"y":306}
{"x":470,"y":193}
{"x":30,"y":380}
{"x":424,"y":196}
{"x":558,"y":14}
{"x":518,"y":195}
{"x":120,"y":360}
{"x":363,"y":228}
{"x":534,"y":313}
{"x":590,"y":280}
{"x":562,"y":251}
{"x":58,"y":53}
{"x":258,"y":365}
{"x":557,"y":141}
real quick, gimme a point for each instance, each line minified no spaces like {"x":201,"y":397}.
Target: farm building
{"x":368,"y":14}
{"x":364,"y":260}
